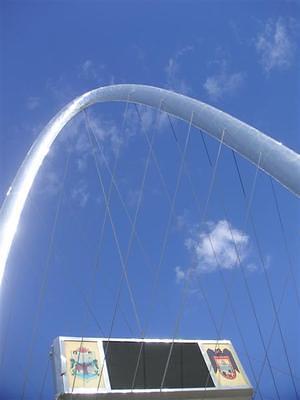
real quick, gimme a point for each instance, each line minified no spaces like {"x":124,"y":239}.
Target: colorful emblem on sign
{"x":84,"y":364}
{"x":223,"y":361}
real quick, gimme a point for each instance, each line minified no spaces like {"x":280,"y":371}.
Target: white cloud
{"x":87,"y":65}
{"x":81,"y":164}
{"x":49,"y":183}
{"x":223,"y":83}
{"x":148,"y":119}
{"x":80,"y":194}
{"x":75,"y":140}
{"x":89,"y":71}
{"x":183,"y":220}
{"x":107,"y":132}
{"x":219,"y":245}
{"x":251,"y":267}
{"x":172,"y":69}
{"x":275,"y":45}
{"x":180,"y":274}
{"x":133,"y":197}
{"x":32,"y":103}
{"x":97,"y":73}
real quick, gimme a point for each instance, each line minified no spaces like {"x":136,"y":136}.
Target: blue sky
{"x":242,"y":57}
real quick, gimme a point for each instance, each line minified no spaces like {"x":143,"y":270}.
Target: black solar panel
{"x":187,"y":368}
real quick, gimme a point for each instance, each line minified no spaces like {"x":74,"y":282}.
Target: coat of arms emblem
{"x":84,"y":363}
{"x":223,"y":361}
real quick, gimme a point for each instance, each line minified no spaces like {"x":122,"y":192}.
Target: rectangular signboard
{"x":147,"y":368}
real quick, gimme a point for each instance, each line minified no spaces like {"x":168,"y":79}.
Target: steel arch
{"x":275,"y":159}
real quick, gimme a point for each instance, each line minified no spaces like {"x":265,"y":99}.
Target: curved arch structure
{"x":275,"y":159}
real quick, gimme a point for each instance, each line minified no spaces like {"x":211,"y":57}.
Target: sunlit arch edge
{"x":277,"y":160}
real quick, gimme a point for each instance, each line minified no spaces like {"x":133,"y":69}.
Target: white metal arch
{"x":275,"y":159}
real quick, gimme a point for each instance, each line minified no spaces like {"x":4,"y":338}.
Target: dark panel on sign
{"x":122,"y":363}
{"x":156,"y":356}
{"x":195,"y":372}
{"x":141,"y":365}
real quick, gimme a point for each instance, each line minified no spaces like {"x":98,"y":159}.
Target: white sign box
{"x":101,"y":368}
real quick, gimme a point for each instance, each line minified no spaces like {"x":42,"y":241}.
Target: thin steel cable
{"x":150,"y":152}
{"x":211,"y":241}
{"x":36,"y":210}
{"x":44,"y":283}
{"x":90,"y":136}
{"x":283,"y":232}
{"x":121,"y":198}
{"x":197,"y":203}
{"x":165,"y":239}
{"x":235,"y":317}
{"x":249,"y":292}
{"x":239,"y":260}
{"x":102,"y":230}
{"x":122,"y":262}
{"x":184,"y":291}
{"x":132,"y":233}
{"x":276,"y":311}
{"x":239,"y":173}
{"x":240,"y":331}
{"x":248,"y":212}
{"x":186,"y":170}
{"x":203,"y":293}
{"x":114,"y":170}
{"x":45,"y":376}
{"x":261,"y":258}
{"x":213,"y":178}
{"x":275,"y":367}
{"x":172,"y":203}
{"x":85,"y":300}
{"x":228,"y":297}
{"x":126,"y":211}
{"x":273,"y":329}
{"x":129,"y":245}
{"x":132,"y":222}
{"x":155,"y":160}
{"x":125,"y":207}
{"x":115,"y":185}
{"x":5,"y":338}
{"x":224,"y":282}
{"x":228,"y":301}
{"x":95,"y":268}
{"x":98,"y":326}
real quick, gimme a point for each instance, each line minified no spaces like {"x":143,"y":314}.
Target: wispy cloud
{"x":106,"y":131}
{"x":180,"y":274}
{"x":172,"y":69}
{"x":183,"y":221}
{"x":275,"y":45}
{"x":74,"y":141}
{"x":218,"y":245}
{"x":97,"y":73}
{"x":32,"y":103}
{"x":88,"y":70}
{"x":133,"y":197}
{"x":80,"y":194}
{"x":223,"y":82}
{"x":147,"y":119}
{"x":49,"y":183}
